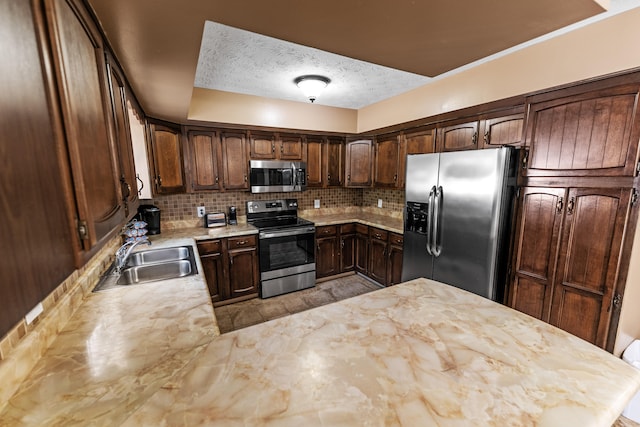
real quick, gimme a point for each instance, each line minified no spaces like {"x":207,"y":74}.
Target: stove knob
{"x":255,"y":206}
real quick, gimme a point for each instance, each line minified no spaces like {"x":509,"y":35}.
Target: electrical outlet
{"x":201,"y":211}
{"x":316,"y":204}
{"x":379,"y":203}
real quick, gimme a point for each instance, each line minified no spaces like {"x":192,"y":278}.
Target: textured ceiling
{"x":258,"y":47}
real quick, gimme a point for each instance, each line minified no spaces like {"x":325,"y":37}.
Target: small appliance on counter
{"x":215,"y":219}
{"x":151,"y":215}
{"x":233,"y":216}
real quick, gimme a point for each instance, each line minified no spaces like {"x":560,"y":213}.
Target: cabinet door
{"x":378,"y":260}
{"x":362,"y":250}
{"x":334,"y":162}
{"x":538,"y":229}
{"x":235,"y":160}
{"x":262,"y":146}
{"x":166,"y":144}
{"x":387,"y":162}
{"x":359,"y":162}
{"x":347,"y":252}
{"x":588,"y":262}
{"x":122,"y":137}
{"x":214,"y":275}
{"x":84,"y":98}
{"x":205,"y":158}
{"x":291,"y":147}
{"x":243,"y":272}
{"x":458,"y":137}
{"x":503,"y":131}
{"x":326,"y":256}
{"x":590,"y":134}
{"x":315,"y":149}
{"x":420,"y":142}
{"x":394,"y":264}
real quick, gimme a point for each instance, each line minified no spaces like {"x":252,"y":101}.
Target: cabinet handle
{"x":159,"y":181}
{"x":273,"y":148}
{"x":342,"y":244}
{"x":318,"y":247}
{"x":308,"y":178}
{"x":329,"y":177}
{"x":231,"y":259}
{"x":395,"y":178}
{"x":486,"y":138}
{"x":245,"y":177}
{"x":398,"y":241}
{"x":525,"y":159}
{"x":349,"y":177}
{"x":216,"y":179}
{"x":474,"y":138}
{"x":570,"y":205}
{"x":559,"y":205}
{"x":377,"y":235}
{"x":241,"y":242}
{"x":281,"y":148}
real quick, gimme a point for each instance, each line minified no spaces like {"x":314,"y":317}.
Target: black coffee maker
{"x":151,"y":215}
{"x":232,"y":218}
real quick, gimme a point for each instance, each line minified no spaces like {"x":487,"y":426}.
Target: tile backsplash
{"x":178,"y":207}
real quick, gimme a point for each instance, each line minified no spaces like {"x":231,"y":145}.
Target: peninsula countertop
{"x":417,"y":354}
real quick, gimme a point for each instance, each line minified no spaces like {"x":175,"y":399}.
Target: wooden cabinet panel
{"x":315,"y":157}
{"x":377,"y":258}
{"x":359,"y":162}
{"x":326,"y":256}
{"x":347,"y":252}
{"x":503,"y":131}
{"x":262,"y":146}
{"x":458,"y":137}
{"x":420,"y":141}
{"x":594,"y":133}
{"x":326,"y":230}
{"x":537,"y":249}
{"x":335,"y":158}
{"x":241,"y":242}
{"x":362,"y":251}
{"x":394,"y":263}
{"x":214,"y":274}
{"x":166,"y":144}
{"x":291,"y":147}
{"x":244,"y":278}
{"x":37,"y":204}
{"x":205,"y":160}
{"x":79,"y":57}
{"x":387,"y":167}
{"x":235,"y":160}
{"x":122,"y":137}
{"x":588,"y":262}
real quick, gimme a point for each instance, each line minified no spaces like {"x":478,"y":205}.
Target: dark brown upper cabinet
{"x":290,"y":147}
{"x":84,"y":97}
{"x":235,"y":160}
{"x":275,"y":146}
{"x":420,"y":141}
{"x":359,"y":162}
{"x":334,"y":162}
{"x":122,"y":136}
{"x":388,"y":161}
{"x":457,"y":137}
{"x":204,"y":157}
{"x":167,"y":158}
{"x":316,"y":160}
{"x":499,"y":131}
{"x":593,"y":133}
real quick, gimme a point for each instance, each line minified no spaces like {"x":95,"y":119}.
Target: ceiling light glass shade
{"x":312,"y":85}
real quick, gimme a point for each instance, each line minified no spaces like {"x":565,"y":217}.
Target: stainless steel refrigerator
{"x":457,"y":218}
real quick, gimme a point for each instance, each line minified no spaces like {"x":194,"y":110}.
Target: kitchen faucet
{"x":122,"y":254}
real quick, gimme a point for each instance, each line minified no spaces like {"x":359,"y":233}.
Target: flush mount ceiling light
{"x":312,"y":85}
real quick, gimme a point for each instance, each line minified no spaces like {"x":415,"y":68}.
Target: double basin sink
{"x":149,"y":266}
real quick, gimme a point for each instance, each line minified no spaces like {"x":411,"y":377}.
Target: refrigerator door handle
{"x":437,"y":246}
{"x":430,"y":208}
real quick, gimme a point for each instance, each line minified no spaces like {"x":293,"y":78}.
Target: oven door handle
{"x":285,"y":233}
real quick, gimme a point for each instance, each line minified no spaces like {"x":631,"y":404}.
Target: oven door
{"x":286,"y":252}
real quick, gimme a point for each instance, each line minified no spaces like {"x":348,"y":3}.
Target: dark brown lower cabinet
{"x":347,"y":247}
{"x":568,"y":248}
{"x":362,"y":249}
{"x":378,"y":255}
{"x":394,"y":263}
{"x":230,"y":268}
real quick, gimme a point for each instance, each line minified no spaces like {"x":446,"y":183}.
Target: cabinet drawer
{"x":362,"y":229}
{"x":209,"y":246}
{"x":378,"y":234}
{"x":396,"y":239}
{"x":241,"y":242}
{"x":326,"y":230}
{"x":348,"y":228}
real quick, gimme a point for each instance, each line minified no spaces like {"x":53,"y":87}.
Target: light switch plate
{"x":379,"y":203}
{"x":316,"y":204}
{"x":201,"y":211}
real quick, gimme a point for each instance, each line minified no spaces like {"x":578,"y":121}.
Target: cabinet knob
{"x":559,"y":205}
{"x":349,"y":177}
{"x":245,"y":177}
{"x":570,"y":205}
{"x":273,"y":148}
{"x":159,"y":180}
{"x":216,"y":179}
{"x":486,"y":138}
{"x":241,"y":242}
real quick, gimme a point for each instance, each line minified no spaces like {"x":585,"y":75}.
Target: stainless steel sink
{"x":153,"y":272}
{"x":154,"y":256}
{"x":151,"y":266}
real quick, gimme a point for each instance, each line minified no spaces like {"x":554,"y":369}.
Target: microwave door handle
{"x":294,"y":175}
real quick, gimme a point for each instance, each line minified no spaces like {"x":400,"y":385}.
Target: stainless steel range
{"x":285,"y":246}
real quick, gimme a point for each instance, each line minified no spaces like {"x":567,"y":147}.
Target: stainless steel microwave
{"x":270,"y":176}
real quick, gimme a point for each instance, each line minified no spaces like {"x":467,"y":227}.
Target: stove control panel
{"x":264,"y":206}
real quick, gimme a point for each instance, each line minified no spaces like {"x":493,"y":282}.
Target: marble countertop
{"x":417,"y":354}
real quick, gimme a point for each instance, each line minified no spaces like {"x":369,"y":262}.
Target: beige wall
{"x":226,"y":107}
{"x":629,"y":326}
{"x":601,"y":48}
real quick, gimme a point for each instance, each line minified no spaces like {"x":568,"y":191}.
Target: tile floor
{"x":246,"y":313}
